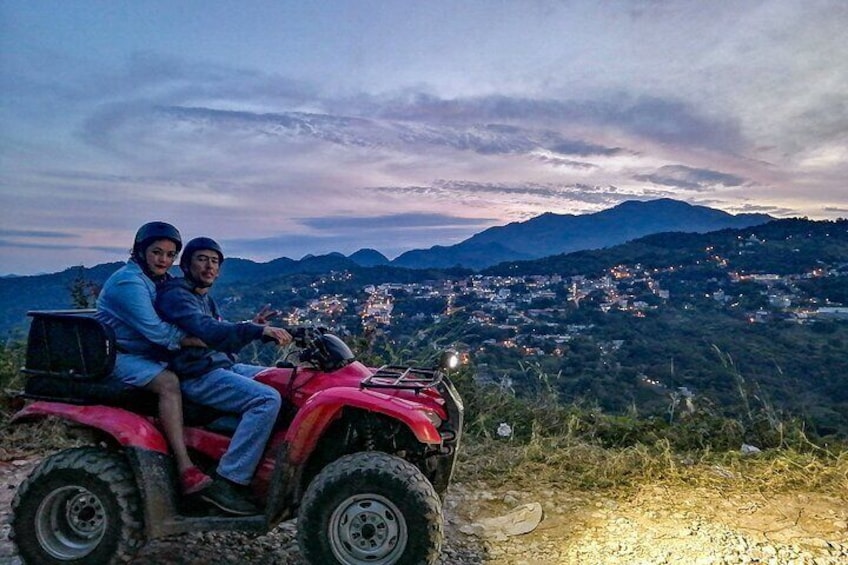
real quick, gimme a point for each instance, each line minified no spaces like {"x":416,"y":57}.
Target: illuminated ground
{"x":656,"y":525}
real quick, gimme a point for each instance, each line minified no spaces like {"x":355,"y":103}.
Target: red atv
{"x":362,"y":458}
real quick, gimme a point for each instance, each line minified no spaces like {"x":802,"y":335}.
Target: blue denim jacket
{"x":126,"y":304}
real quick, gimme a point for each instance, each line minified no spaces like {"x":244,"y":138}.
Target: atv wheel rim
{"x":368,"y":528}
{"x":70,"y":522}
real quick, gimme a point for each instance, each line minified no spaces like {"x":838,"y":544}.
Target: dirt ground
{"x":657,"y":524}
{"x":648,"y":524}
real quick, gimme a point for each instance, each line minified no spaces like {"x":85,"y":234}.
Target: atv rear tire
{"x":372,"y":508}
{"x":78,"y":506}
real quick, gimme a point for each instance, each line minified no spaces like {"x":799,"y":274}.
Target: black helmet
{"x":197,"y":244}
{"x":153,"y":231}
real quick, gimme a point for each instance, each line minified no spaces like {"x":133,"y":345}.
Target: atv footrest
{"x":401,"y":377}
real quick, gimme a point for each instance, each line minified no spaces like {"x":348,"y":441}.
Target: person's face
{"x":205,"y":266}
{"x":160,"y":255}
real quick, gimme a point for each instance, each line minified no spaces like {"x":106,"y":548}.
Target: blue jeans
{"x":234,"y":390}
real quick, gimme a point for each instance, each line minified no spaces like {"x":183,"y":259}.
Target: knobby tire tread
{"x":358,"y":467}
{"x":103,"y":465}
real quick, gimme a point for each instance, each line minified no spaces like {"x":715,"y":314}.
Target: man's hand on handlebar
{"x":303,"y":335}
{"x":277,"y":335}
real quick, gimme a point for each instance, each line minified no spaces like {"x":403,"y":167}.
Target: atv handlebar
{"x":304,"y":336}
{"x":321,"y":348}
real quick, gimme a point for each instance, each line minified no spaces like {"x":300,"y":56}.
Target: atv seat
{"x":69,"y":355}
{"x":112,"y":393}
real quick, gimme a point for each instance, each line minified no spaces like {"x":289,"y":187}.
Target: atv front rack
{"x":401,"y":377}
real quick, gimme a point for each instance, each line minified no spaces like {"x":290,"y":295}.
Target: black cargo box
{"x":69,"y":343}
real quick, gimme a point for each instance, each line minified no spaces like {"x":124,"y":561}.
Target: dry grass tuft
{"x":35,"y":438}
{"x":565,"y":463}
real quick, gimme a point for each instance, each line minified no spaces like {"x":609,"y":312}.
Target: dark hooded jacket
{"x":198,"y":315}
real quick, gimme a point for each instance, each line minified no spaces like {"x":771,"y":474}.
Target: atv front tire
{"x":373,"y":508}
{"x":78,"y":506}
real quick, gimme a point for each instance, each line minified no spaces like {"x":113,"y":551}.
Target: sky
{"x":285,"y":128}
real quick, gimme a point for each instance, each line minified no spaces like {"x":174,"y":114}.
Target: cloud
{"x":104,"y":102}
{"x":748,"y":208}
{"x":382,"y":133}
{"x":689,"y":178}
{"x":664,"y":120}
{"x":162,"y":112}
{"x":565,"y":163}
{"x":584,"y":149}
{"x":390,"y":234}
{"x":456,"y":188}
{"x":37,"y":234}
{"x":61,"y":247}
{"x":393,"y":221}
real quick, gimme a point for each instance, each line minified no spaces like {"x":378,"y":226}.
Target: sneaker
{"x":226,"y":496}
{"x":193,"y":480}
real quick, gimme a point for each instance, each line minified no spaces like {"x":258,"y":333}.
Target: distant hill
{"x":545,"y":235}
{"x":40,"y":292}
{"x":553,"y":234}
{"x":467,"y":254}
{"x":785,"y":246}
{"x":368,"y":258}
{"x":243,"y":269}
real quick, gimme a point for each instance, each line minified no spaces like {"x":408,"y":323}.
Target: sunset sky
{"x":283,"y":128}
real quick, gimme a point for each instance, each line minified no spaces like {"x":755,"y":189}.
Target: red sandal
{"x":194,"y":480}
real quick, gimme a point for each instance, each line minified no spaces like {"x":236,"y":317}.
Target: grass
{"x":35,"y":438}
{"x":581,"y":447}
{"x":562,"y":462}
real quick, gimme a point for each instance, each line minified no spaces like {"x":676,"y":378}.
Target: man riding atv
{"x":209,"y":376}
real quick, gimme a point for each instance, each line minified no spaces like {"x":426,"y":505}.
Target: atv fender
{"x":128,"y":429}
{"x":322,"y":408}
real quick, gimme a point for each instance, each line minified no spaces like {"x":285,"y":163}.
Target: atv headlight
{"x":449,"y":360}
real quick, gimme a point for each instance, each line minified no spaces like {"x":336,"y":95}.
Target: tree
{"x":83,"y":291}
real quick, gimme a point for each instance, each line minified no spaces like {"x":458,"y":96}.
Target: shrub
{"x":705,"y":429}
{"x":12,"y":356}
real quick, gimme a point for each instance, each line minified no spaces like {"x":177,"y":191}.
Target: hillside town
{"x":512,"y":302}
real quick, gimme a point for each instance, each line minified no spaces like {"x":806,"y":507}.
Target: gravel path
{"x":648,"y":525}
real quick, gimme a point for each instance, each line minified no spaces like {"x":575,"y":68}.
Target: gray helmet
{"x":153,"y":231}
{"x":197,"y":244}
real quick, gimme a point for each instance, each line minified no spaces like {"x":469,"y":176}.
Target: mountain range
{"x":545,"y":235}
{"x":553,"y":234}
